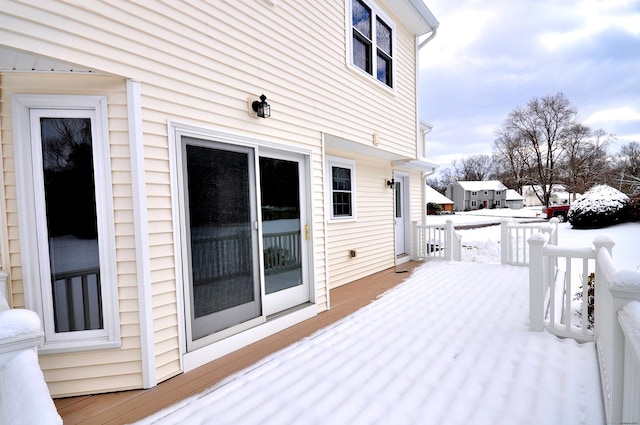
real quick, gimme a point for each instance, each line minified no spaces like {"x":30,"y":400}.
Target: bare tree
{"x":543,"y":127}
{"x":585,"y":162}
{"x":627,"y":167}
{"x":512,"y":159}
{"x":474,"y":168}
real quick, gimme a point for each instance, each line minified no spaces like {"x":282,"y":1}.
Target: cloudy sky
{"x":490,"y":57}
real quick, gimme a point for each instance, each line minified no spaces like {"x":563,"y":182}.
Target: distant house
{"x":181,"y":179}
{"x":474,"y":195}
{"x":514,"y":200}
{"x":432,"y":195}
{"x":559,"y":195}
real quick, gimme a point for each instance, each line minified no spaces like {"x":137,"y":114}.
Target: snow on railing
{"x":436,"y":241}
{"x":514,"y":249}
{"x":24,"y":396}
{"x":615,"y":312}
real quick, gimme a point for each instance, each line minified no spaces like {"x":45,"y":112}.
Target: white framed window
{"x":498,"y":192}
{"x":474,"y":204}
{"x":486,"y":192}
{"x":474,"y":194}
{"x":371,"y":41}
{"x":65,"y":212}
{"x":341,"y":188}
{"x":498,"y":203}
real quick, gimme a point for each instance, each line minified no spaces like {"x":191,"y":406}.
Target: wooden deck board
{"x":130,"y":406}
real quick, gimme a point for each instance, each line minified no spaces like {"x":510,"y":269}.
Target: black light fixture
{"x":391,"y":183}
{"x":262,"y":108}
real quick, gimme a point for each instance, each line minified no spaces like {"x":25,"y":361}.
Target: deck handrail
{"x":514,"y":249}
{"x":616,"y":314}
{"x":435,"y":241}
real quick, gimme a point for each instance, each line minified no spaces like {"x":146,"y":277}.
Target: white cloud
{"x":614,"y":114}
{"x":595,"y":16}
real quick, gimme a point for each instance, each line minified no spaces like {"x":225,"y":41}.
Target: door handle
{"x":307,"y":232}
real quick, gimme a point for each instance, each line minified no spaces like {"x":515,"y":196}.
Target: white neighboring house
{"x":514,"y":200}
{"x":474,"y":195}
{"x":559,"y":195}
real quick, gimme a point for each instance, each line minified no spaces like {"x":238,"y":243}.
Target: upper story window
{"x":372,"y":42}
{"x":341,"y":174}
{"x":474,"y":193}
{"x":498,"y":192}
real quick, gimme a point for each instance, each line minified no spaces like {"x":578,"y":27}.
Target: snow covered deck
{"x":450,"y":345}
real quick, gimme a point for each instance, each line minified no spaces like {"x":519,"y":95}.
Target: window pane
{"x":71,"y":222}
{"x":362,"y":54}
{"x":341,"y":178}
{"x":361,"y":17}
{"x":398,"y":193}
{"x":384,"y":70}
{"x":383,"y":37}
{"x":341,"y":204}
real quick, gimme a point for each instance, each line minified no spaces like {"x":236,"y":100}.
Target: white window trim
{"x":498,"y":192}
{"x":334,"y":161}
{"x":474,"y":193}
{"x":37,"y":297}
{"x":498,"y":203}
{"x":376,"y":12}
{"x":474,"y":203}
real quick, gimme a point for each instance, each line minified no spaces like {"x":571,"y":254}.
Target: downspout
{"x":425,"y":174}
{"x":428,"y":39}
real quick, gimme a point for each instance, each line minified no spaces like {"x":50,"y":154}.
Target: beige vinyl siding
{"x":215,"y":55}
{"x":80,"y":373}
{"x":372,"y":233}
{"x":198,"y":63}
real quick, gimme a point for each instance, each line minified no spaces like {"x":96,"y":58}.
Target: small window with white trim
{"x":341,"y":187}
{"x":65,"y":210}
{"x":474,"y":204}
{"x":474,"y":194}
{"x":372,"y":41}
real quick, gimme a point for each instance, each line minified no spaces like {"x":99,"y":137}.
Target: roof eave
{"x":416,"y":15}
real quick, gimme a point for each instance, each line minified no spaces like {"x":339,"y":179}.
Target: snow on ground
{"x":450,"y":345}
{"x":482,"y":244}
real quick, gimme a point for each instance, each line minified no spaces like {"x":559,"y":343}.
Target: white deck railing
{"x":24,"y":396}
{"x":555,"y":273}
{"x":436,"y":241}
{"x":514,"y":249}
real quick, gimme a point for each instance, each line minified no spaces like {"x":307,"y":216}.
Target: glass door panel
{"x":284,"y":231}
{"x":280,"y":224}
{"x":223,"y":284}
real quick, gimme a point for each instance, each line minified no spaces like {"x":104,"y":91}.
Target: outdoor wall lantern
{"x":391,"y":183}
{"x":261,"y":108}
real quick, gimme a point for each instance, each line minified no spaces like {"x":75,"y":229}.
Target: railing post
{"x":505,"y":242}
{"x":449,"y":241}
{"x":553,"y":236}
{"x":414,"y":245}
{"x":536,"y":282}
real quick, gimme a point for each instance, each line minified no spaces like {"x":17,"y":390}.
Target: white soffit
{"x":15,"y":60}
{"x":415,"y":14}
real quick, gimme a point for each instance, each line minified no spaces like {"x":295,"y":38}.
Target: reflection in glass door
{"x":220,"y":195}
